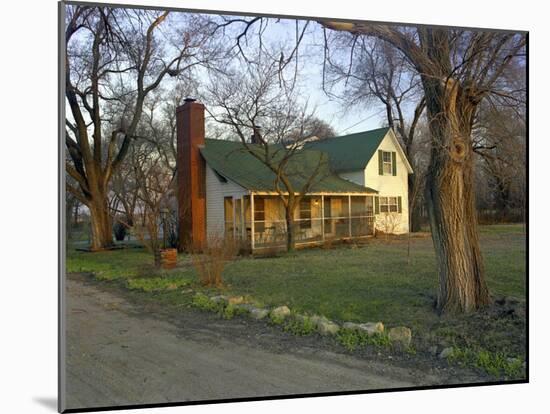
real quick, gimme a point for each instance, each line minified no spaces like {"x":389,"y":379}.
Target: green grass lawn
{"x":374,"y":281}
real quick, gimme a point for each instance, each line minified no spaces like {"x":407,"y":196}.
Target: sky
{"x":343,"y":120}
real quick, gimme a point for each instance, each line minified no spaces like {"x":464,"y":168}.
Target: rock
{"x":316,"y":320}
{"x":281,"y":312}
{"x":328,"y":328}
{"x":219,"y":299}
{"x":351,"y":326}
{"x":244,"y":307}
{"x":235,"y":300}
{"x":258,"y":313}
{"x":400,"y":335}
{"x":372,"y":328}
{"x":446,"y":353}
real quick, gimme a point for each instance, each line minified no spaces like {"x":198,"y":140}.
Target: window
{"x":387,"y":166}
{"x":259,"y":215}
{"x":305,"y":213}
{"x":389,"y":205}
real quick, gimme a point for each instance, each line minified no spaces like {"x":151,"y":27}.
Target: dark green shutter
{"x":376,"y":205}
{"x":398,"y":204}
{"x":380,"y":163}
{"x":393,"y":164}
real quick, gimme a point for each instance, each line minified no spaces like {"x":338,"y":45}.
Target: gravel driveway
{"x":119,"y":354}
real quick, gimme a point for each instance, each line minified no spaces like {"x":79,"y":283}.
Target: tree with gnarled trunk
{"x":458,"y":69}
{"x":114,"y":59}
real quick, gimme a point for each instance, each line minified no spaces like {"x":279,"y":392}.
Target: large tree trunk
{"x":290,"y":230}
{"x":451,"y":202}
{"x":102,"y":233}
{"x":290,"y":223}
{"x":414,"y":205}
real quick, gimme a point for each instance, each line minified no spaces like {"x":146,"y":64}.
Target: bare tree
{"x":375,"y":73}
{"x":500,"y":142}
{"x":115,"y":58}
{"x":458,"y":69}
{"x":263,"y":113}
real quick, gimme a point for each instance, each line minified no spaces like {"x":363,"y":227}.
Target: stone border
{"x":231,"y":305}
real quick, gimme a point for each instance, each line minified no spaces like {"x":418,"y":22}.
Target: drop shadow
{"x":48,"y":402}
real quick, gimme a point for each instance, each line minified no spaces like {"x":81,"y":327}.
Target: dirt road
{"x":118,"y":355}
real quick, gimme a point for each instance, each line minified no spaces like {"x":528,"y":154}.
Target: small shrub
{"x":211,"y":262}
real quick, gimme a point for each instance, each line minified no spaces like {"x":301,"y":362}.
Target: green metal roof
{"x":233,"y":161}
{"x":350,"y":152}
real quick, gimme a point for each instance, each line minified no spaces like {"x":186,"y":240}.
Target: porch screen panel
{"x":360,"y":219}
{"x":228,"y":217}
{"x":339,"y":218}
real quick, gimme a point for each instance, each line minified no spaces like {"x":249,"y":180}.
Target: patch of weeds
{"x":155,"y":284}
{"x":496,"y":364}
{"x":203,"y":302}
{"x":352,"y":339}
{"x":300,"y":326}
{"x":230,"y":311}
{"x":411,"y":350}
{"x":276,"y":320}
{"x":380,"y":340}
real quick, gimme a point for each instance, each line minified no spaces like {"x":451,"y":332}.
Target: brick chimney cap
{"x":189,"y":100}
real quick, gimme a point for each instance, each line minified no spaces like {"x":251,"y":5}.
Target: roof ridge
{"x":354,"y":133}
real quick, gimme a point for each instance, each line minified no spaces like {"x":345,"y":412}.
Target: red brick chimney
{"x":191,"y":178}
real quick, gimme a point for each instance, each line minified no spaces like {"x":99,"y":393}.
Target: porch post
{"x":243,"y":223}
{"x":323,"y":217}
{"x":234,"y":218}
{"x":349,"y":215}
{"x":252,"y":220}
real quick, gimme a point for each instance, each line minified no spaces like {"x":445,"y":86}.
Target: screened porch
{"x":260,"y":219}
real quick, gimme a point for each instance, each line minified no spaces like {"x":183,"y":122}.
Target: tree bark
{"x":451,"y":200}
{"x":102,"y":233}
{"x":414,"y":205}
{"x":290,"y":224}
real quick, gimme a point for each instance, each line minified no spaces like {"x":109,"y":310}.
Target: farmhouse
{"x":359,"y":186}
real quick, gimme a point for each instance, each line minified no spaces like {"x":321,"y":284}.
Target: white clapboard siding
{"x":387,"y":185}
{"x":215,"y":193}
